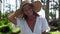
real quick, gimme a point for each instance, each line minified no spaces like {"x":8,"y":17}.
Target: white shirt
{"x":40,"y":26}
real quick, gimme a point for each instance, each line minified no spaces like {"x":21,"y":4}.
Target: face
{"x":27,"y":10}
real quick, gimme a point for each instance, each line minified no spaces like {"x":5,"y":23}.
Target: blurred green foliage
{"x":6,"y":26}
{"x":54,"y":32}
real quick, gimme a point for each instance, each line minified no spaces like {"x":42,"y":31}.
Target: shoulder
{"x":40,"y":17}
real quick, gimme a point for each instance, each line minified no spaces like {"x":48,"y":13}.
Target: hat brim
{"x":37,"y":5}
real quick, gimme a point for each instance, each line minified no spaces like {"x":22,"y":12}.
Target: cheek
{"x":25,"y":12}
{"x":28,"y":13}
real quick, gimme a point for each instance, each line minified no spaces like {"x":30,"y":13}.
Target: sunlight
{"x":13,"y":7}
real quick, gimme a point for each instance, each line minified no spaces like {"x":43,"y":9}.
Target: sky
{"x":13,"y":7}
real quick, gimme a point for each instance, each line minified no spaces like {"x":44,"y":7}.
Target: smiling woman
{"x":28,"y":20}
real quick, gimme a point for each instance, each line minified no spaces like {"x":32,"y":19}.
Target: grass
{"x":54,"y":32}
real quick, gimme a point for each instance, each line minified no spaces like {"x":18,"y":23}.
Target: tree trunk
{"x":47,"y":10}
{"x":21,"y":1}
{"x":32,"y":0}
{"x":26,"y":0}
{"x":59,"y":9}
{"x":0,"y":9}
{"x":0,"y":15}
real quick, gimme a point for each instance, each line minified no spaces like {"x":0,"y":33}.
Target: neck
{"x":31,"y":17}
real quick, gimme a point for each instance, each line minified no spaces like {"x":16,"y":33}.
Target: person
{"x":28,"y":20}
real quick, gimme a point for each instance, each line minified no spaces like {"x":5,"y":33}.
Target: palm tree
{"x":54,"y":8}
{"x":47,"y":10}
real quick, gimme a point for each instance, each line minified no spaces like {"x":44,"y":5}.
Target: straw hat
{"x":36,"y":4}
